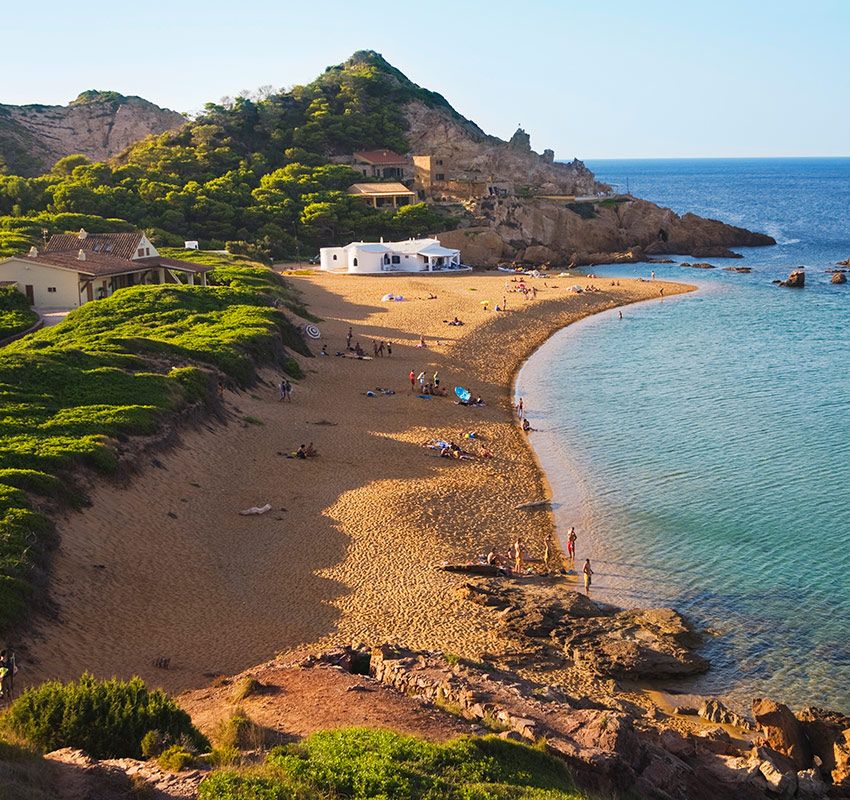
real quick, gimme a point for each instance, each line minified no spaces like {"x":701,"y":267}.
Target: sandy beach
{"x":163,"y":566}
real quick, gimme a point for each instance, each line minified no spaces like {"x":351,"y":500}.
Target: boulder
{"x":715,"y":740}
{"x":783,"y":731}
{"x":796,"y":280}
{"x":828,"y":735}
{"x":839,"y":277}
{"x":714,"y":711}
{"x":810,"y":785}
{"x":698,"y":265}
{"x":781,"y":783}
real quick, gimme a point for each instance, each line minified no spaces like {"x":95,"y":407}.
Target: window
{"x":107,"y":247}
{"x":95,"y":247}
{"x":334,"y":258}
{"x":147,"y":251}
{"x":141,"y":252}
{"x":396,"y":260}
{"x":51,"y":289}
{"x":439,"y":162}
{"x":354,"y":262}
{"x":439,"y":177}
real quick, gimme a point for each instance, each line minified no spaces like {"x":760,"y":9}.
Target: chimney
{"x":81,"y":255}
{"x":82,"y":234}
{"x":33,"y":253}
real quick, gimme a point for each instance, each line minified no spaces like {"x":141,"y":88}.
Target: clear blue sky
{"x":623,"y":78}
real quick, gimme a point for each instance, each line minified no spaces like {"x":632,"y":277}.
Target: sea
{"x":701,"y":444}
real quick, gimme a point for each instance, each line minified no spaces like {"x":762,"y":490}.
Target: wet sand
{"x":165,"y":567}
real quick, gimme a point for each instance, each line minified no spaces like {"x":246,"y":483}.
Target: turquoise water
{"x":701,"y":444}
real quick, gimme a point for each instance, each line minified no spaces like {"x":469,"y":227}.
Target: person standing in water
{"x":571,"y":544}
{"x":519,"y":408}
{"x":588,"y":575}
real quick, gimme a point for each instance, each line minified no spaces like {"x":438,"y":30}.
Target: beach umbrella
{"x":464,"y":395}
{"x":312,"y":331}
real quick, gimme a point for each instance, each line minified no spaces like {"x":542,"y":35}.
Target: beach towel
{"x":256,"y":510}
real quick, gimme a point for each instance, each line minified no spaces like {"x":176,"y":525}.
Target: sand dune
{"x":166,"y":567}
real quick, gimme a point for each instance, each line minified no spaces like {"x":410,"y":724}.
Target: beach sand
{"x":165,"y":567}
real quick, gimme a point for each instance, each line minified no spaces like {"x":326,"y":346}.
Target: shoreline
{"x":350,"y":550}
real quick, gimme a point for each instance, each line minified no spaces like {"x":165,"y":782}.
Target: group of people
{"x":306,"y":451}
{"x":284,"y":390}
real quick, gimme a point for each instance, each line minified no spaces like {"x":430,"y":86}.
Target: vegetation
{"x":113,"y":368}
{"x":24,"y":774}
{"x":255,"y":173}
{"x":364,"y":764}
{"x":15,"y":312}
{"x":106,"y":719}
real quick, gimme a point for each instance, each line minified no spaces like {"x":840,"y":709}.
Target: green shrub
{"x":106,"y":719}
{"x":152,"y":744}
{"x":15,"y":312}
{"x":363,"y":764}
{"x":176,"y":758}
{"x":246,"y":687}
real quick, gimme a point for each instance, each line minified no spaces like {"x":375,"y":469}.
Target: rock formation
{"x":539,"y":231}
{"x":796,"y":280}
{"x":839,"y":277}
{"x":97,"y":125}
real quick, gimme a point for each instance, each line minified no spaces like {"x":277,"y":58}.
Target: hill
{"x":267,"y":176}
{"x":97,"y":124}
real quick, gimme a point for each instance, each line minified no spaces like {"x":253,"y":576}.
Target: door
{"x":30,"y":294}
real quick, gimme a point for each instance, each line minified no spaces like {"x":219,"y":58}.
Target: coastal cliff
{"x":97,"y":125}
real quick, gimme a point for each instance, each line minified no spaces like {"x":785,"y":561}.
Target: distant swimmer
{"x":620,"y":314}
{"x":588,"y":575}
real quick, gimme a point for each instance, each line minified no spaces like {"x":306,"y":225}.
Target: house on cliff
{"x":384,"y":163}
{"x":74,"y":268}
{"x":383,"y":195}
{"x":370,"y":258}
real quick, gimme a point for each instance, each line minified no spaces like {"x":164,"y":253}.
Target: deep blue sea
{"x":701,"y":445}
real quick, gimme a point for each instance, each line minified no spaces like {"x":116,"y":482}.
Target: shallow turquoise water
{"x":701,"y":444}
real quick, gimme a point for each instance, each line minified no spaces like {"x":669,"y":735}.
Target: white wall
{"x":332,"y":258}
{"x":366,"y":262}
{"x":43,"y":277}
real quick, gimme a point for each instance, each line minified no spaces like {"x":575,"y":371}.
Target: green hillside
{"x":256,"y":172}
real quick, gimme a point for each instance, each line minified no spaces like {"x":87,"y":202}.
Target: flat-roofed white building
{"x":370,"y":258}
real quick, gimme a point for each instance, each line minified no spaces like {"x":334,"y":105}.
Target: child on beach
{"x":588,"y":575}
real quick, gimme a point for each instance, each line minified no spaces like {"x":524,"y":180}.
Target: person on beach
{"x":436,"y":379}
{"x":571,"y":544}
{"x":547,"y":549}
{"x":412,"y":377}
{"x":349,"y":338}
{"x":324,"y":350}
{"x":517,"y":553}
{"x":662,"y":291}
{"x":620,"y":314}
{"x":288,"y":390}
{"x":281,"y":391}
{"x":422,"y":340}
{"x":421,"y":379}
{"x":301,"y":452}
{"x":375,"y":348}
{"x":389,"y":349}
{"x":519,"y":408}
{"x":588,"y":575}
{"x":652,"y":275}
{"x":381,"y":349}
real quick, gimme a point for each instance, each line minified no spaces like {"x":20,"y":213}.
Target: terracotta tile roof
{"x":121,"y":245}
{"x":379,"y":189}
{"x":380,"y":157}
{"x":100,"y":266}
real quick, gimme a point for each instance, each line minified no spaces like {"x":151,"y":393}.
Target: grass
{"x":15,"y":312}
{"x":363,"y":764}
{"x":106,"y":719}
{"x":115,"y":368}
{"x":24,"y":774}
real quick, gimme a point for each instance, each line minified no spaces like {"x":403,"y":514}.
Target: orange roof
{"x":377,"y":189}
{"x":380,"y":157}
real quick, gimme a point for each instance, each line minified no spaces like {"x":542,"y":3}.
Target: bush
{"x":176,"y":758}
{"x":361,"y":764}
{"x":15,"y":312}
{"x":106,"y":719}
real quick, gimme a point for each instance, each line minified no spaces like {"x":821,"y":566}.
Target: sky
{"x":614,"y":79}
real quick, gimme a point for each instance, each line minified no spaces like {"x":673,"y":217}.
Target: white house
{"x":369,"y":258}
{"x":74,"y":268}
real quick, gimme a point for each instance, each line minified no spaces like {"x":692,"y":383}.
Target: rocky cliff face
{"x":572,"y":234}
{"x":97,"y":125}
{"x":471,"y":156}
